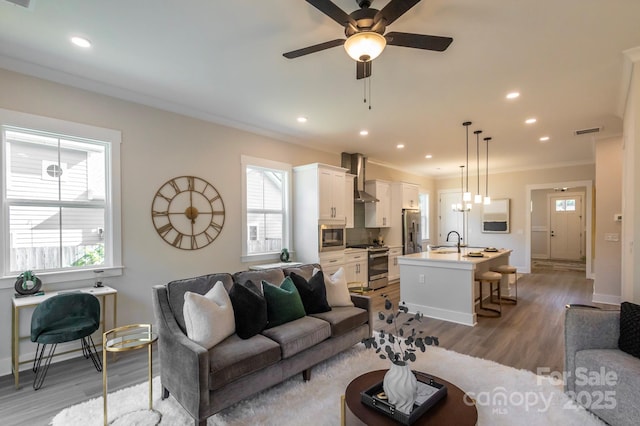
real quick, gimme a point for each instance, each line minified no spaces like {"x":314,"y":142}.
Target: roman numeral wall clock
{"x":188,"y":212}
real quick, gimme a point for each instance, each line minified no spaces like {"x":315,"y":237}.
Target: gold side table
{"x":123,"y":339}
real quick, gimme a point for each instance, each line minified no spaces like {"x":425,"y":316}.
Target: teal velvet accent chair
{"x":64,"y":318}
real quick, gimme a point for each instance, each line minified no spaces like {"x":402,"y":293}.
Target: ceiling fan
{"x":365,"y":30}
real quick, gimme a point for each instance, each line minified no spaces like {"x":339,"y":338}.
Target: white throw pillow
{"x":209,"y":319}
{"x":337,"y":289}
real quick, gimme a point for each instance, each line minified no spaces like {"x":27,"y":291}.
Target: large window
{"x":266,"y":208}
{"x":58,"y":195}
{"x":424,"y":215}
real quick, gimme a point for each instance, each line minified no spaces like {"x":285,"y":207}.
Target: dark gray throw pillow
{"x":629,"y":340}
{"x":313,"y":292}
{"x":249,"y":309}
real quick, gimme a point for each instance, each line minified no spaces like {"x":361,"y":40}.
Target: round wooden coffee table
{"x":451,"y":410}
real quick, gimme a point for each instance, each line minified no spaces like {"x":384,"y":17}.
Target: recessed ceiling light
{"x":81,"y":42}
{"x":530,"y":120}
{"x":364,"y":132}
{"x":428,"y":156}
{"x":513,"y":95}
{"x":302,"y":119}
{"x":544,"y":138}
{"x":400,"y":146}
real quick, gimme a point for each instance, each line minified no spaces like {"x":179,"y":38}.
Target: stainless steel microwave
{"x":331,"y":237}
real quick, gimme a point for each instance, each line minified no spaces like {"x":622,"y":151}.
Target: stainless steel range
{"x":377,"y":264}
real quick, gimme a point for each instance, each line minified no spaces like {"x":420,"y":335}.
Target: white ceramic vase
{"x":401,"y":386}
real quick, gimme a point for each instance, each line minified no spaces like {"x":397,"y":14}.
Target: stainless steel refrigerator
{"x":411,"y":233}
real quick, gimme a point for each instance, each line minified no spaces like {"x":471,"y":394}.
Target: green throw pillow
{"x":283,"y":303}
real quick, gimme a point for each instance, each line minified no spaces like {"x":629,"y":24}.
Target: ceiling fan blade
{"x":363,"y":69}
{"x":394,"y":9}
{"x":418,"y":41}
{"x":314,"y":48}
{"x":334,"y":12}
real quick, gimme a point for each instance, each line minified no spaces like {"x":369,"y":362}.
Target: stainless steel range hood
{"x":356,"y":163}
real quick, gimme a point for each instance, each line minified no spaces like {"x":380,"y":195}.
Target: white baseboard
{"x":607,"y":299}
{"x":463,"y":318}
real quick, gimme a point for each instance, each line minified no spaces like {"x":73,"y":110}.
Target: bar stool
{"x":507,"y":270}
{"x":491,"y":278}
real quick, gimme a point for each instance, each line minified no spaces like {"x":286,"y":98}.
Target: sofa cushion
{"x":343,"y":319}
{"x":337,"y":289}
{"x":209,"y":319}
{"x":234,"y":358}
{"x":274,"y":276}
{"x":305,"y":271}
{"x":283,"y":302}
{"x":296,"y":336}
{"x":249,"y":308}
{"x":201,"y":285}
{"x":629,"y":340}
{"x":312,"y":292}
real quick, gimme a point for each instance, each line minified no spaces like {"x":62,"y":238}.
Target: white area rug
{"x":504,"y":395}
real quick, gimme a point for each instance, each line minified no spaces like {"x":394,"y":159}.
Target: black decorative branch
{"x":400,"y":346}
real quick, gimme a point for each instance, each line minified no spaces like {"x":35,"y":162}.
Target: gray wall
{"x":156,"y":146}
{"x":607,"y":265}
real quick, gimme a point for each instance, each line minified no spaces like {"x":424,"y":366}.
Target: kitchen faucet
{"x":459,"y":238}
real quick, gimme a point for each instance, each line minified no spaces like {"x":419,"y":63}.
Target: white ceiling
{"x":222,"y":61}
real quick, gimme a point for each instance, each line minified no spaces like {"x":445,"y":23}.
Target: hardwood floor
{"x":527,"y":336}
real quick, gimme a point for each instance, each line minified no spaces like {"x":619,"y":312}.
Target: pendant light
{"x":487,"y":198}
{"x":466,"y":196}
{"x":478,"y":197}
{"x":462,"y":206}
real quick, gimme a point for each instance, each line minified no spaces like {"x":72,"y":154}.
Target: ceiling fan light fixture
{"x":365,"y":46}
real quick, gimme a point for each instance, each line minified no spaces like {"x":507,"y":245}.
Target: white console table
{"x":274,"y":265}
{"x":19,"y":303}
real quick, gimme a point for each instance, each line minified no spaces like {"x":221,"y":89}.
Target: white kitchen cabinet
{"x":394,"y":268}
{"x":332,"y":261}
{"x":355,"y":266}
{"x":319,"y":197}
{"x":410,"y":196}
{"x":349,"y":186}
{"x":378,"y":215}
{"x":331,"y":193}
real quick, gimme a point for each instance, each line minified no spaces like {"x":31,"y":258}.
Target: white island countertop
{"x":440,"y":283}
{"x":451,"y":255}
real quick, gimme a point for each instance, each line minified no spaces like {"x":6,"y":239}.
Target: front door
{"x":566,"y":227}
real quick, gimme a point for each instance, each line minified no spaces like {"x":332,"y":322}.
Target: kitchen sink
{"x":445,"y":251}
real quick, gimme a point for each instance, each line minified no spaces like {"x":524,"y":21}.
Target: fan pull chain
{"x":365,"y":91}
{"x":364,"y":88}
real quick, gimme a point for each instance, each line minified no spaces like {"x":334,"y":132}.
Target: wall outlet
{"x":421,"y":278}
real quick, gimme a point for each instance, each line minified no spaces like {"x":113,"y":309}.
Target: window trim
{"x":113,"y":239}
{"x":246,"y":161}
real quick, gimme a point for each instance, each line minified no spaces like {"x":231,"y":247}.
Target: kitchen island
{"x":440,"y":284}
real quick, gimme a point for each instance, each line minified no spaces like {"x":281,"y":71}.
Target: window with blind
{"x":266,"y":206}
{"x":58,"y":197}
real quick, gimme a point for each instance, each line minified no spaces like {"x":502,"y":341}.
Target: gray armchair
{"x":599,"y":376}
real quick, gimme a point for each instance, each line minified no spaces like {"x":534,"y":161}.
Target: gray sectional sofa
{"x":599,"y":375}
{"x":206,"y":381}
